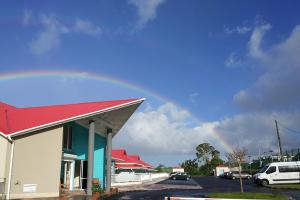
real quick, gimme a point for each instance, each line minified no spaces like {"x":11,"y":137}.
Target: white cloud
{"x":27,"y":17}
{"x":255,"y":41}
{"x":233,"y":61}
{"x":257,"y":131}
{"x":163,"y":130}
{"x":157,"y":131}
{"x":243,"y":30}
{"x":278,"y":87}
{"x":146,"y":10}
{"x":239,"y":30}
{"x":86,"y":27}
{"x":49,"y":38}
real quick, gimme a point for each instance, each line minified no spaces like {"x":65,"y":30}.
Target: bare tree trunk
{"x":241,"y":180}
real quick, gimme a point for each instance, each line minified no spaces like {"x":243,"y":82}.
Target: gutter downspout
{"x":10,"y":166}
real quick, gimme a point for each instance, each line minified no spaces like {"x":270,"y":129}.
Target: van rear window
{"x":290,"y":168}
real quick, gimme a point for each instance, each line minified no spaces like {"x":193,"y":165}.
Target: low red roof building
{"x":137,"y":159}
{"x":129,"y":161}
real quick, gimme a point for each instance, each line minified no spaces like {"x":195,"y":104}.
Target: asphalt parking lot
{"x":196,"y":187}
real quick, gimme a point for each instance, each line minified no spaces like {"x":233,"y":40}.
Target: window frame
{"x":67,"y":137}
{"x":267,"y":172}
{"x":289,"y":168}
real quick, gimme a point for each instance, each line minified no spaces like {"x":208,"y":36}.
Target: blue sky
{"x":232,"y":64}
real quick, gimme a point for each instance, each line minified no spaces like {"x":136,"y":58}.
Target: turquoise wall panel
{"x":80,"y":148}
{"x":99,"y":158}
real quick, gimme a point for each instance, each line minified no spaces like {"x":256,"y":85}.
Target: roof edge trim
{"x":3,"y":135}
{"x":22,"y":132}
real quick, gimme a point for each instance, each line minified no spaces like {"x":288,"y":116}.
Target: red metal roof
{"x":121,"y":154}
{"x":14,"y":119}
{"x":128,"y":160}
{"x":118,"y":152}
{"x":137,"y":159}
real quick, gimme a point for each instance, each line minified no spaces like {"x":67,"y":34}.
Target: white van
{"x":278,"y":173}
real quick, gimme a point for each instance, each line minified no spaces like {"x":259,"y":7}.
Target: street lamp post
{"x":250,"y":164}
{"x":271,"y":152}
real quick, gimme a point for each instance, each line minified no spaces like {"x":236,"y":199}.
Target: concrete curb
{"x":190,"y":198}
{"x":128,"y":184}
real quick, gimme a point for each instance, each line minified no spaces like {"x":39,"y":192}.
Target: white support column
{"x":108,"y":159}
{"x":72,"y":174}
{"x":65,"y":172}
{"x":91,"y":157}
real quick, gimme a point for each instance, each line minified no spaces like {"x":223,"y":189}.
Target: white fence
{"x":124,"y":177}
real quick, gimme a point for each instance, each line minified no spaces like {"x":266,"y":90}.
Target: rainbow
{"x":106,"y":79}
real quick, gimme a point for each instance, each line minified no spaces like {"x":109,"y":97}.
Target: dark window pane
{"x":292,"y":168}
{"x":65,"y":138}
{"x":271,"y":170}
{"x":85,"y":167}
{"x":70,"y":138}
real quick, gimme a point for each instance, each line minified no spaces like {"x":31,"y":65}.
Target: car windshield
{"x":263,"y":169}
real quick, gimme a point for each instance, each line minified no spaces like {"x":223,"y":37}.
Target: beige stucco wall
{"x":3,"y":151}
{"x":37,"y":160}
{"x":5,"y":147}
{"x":8,"y":156}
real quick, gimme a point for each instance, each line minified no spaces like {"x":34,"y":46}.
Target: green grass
{"x":285,"y":186}
{"x":248,"y":195}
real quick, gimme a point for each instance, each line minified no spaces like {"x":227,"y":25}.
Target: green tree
{"x":215,"y":161}
{"x":162,"y":168}
{"x":191,"y":167}
{"x":205,"y":152}
{"x":260,"y":162}
{"x":209,"y":156}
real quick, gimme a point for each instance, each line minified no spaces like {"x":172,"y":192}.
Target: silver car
{"x":236,"y":175}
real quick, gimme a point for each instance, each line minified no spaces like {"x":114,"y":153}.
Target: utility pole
{"x":279,"y":142}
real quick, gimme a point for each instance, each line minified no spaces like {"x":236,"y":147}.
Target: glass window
{"x":139,"y":170}
{"x":290,"y":168}
{"x":67,"y":137}
{"x":263,"y":169}
{"x":271,"y":170}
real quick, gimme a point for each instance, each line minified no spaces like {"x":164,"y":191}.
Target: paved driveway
{"x":196,"y":187}
{"x":211,"y":184}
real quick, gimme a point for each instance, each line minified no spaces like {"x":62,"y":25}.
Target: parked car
{"x":172,"y":173}
{"x":180,"y":176}
{"x":278,"y":173}
{"x":225,"y":175}
{"x":236,"y":175}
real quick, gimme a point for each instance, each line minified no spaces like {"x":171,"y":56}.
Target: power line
{"x":287,"y":128}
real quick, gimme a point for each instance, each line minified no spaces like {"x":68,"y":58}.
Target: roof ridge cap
{"x":80,"y":103}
